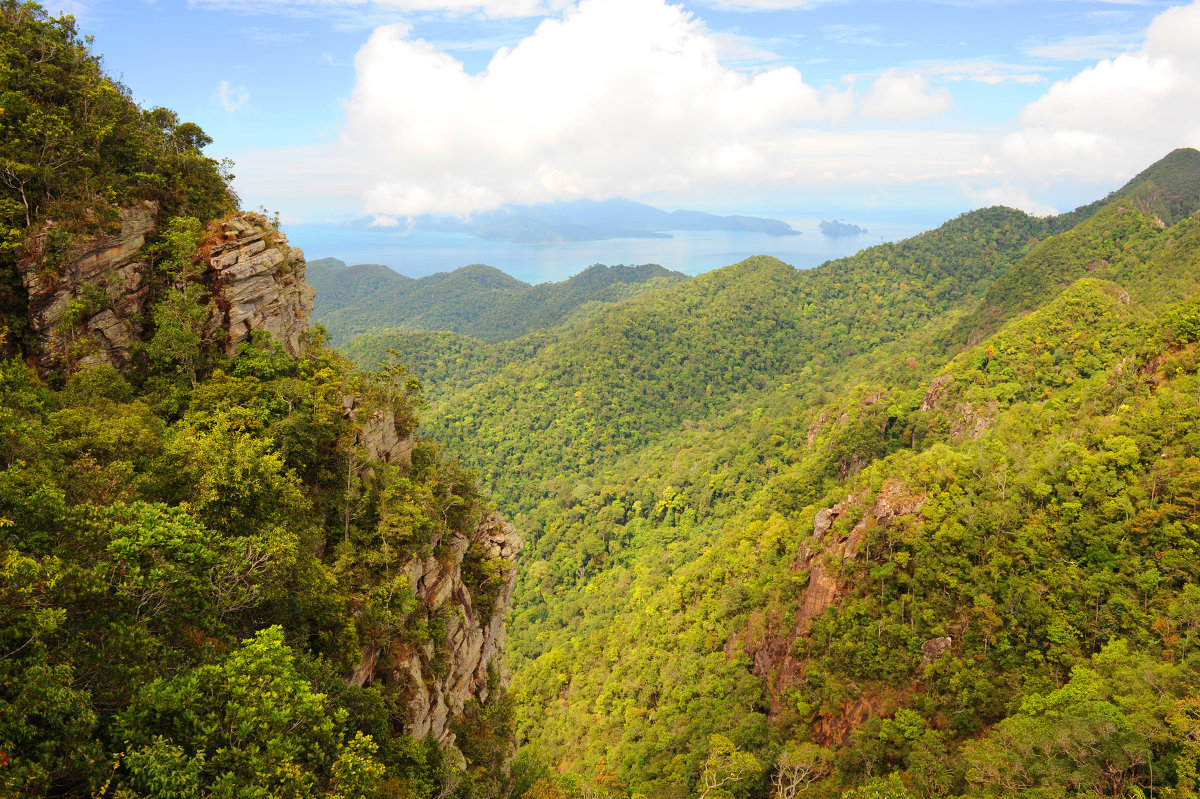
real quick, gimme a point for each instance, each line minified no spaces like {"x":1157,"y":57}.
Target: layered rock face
{"x":257,"y":283}
{"x":473,"y":641}
{"x":88,"y":309}
{"x":92,"y":305}
{"x":383,"y":438}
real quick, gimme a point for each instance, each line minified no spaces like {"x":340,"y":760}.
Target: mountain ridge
{"x":821,"y":542}
{"x":476,"y":300}
{"x":591,"y":220}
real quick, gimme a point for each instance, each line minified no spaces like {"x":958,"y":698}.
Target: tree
{"x":725,"y":765}
{"x":798,"y":767}
{"x":249,"y":725}
{"x":179,"y":320}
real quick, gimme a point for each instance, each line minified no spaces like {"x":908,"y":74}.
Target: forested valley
{"x":920,"y":522}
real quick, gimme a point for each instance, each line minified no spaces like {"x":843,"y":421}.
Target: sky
{"x":380,"y":109}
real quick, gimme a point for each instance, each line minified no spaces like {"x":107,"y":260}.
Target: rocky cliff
{"x":256,"y":282}
{"x":90,"y":304}
{"x":87,"y":306}
{"x":837,"y":536}
{"x":439,"y":678}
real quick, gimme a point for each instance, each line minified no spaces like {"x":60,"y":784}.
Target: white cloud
{"x":857,"y":35}
{"x":232,"y":97}
{"x":982,"y":70}
{"x":897,"y":95}
{"x":1010,"y":195}
{"x":1114,"y":118}
{"x":618,"y":97}
{"x":1080,"y":48}
{"x":369,"y":13}
{"x":763,"y":5}
{"x":637,"y":98}
{"x":273,"y":36}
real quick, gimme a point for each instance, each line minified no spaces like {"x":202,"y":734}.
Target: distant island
{"x":591,"y":220}
{"x":835,"y":229}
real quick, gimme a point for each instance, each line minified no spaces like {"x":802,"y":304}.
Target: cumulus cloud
{"x":1116,"y":117}
{"x":901,"y":96}
{"x":616,"y":97}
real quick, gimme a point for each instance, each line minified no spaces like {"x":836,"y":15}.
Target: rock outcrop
{"x":934,"y":648}
{"x":966,"y":420}
{"x":767,"y":641}
{"x":436,"y":693}
{"x":88,"y":307}
{"x":256,"y":282}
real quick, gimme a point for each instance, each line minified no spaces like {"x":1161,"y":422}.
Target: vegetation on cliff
{"x":202,"y":551}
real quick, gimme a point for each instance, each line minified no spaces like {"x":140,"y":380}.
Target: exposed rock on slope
{"x":769,"y":644}
{"x":90,"y":306}
{"x":87,"y":309}
{"x":436,"y":694}
{"x":257,"y":283}
{"x":383,"y":437}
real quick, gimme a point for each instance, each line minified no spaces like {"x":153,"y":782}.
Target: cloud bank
{"x":622,"y":97}
{"x":638,"y":98}
{"x":1117,"y":117}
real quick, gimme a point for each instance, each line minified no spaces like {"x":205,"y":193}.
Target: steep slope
{"x":1102,"y":236}
{"x":615,"y":380}
{"x":1168,"y":190}
{"x":228,"y":565}
{"x":1023,"y":522}
{"x":777,"y":523}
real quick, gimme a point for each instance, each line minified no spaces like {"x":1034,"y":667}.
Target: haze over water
{"x":692,"y":252}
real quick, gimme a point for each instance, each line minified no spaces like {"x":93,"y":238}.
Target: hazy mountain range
{"x":590,"y":220}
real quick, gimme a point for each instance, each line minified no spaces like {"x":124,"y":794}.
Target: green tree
{"x":251,"y":726}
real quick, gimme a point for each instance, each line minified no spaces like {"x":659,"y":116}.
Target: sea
{"x":420,"y":253}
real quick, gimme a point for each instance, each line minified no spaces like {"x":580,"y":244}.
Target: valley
{"x":921,"y":521}
{"x":756,"y":499}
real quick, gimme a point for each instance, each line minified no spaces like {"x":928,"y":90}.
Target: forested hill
{"x":616,"y":379}
{"x":790,"y":534}
{"x":477,"y":300}
{"x":229,"y":564}
{"x":1167,"y":190}
{"x":1095,"y":237}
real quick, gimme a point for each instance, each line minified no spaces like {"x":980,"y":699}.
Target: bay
{"x":418,"y":253}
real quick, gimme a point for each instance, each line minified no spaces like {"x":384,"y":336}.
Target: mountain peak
{"x":1168,"y":189}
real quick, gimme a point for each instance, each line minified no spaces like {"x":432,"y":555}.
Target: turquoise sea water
{"x":692,"y":252}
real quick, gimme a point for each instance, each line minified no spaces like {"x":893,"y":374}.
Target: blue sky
{"x":337,"y":109}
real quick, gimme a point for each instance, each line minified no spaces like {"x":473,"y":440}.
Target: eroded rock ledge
{"x":87,"y":308}
{"x":90,"y":305}
{"x":257,"y":282}
{"x":436,"y":694}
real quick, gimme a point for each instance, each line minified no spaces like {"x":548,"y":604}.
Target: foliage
{"x":1028,"y":497}
{"x":74,"y":148}
{"x":185,"y":591}
{"x":476,"y":301}
{"x":252,"y":726}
